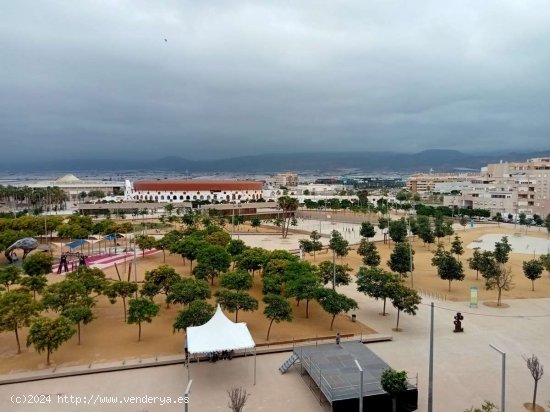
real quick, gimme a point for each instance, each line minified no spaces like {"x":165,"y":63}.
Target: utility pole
{"x":360,"y":386}
{"x":431,"y":361}
{"x":503,"y":379}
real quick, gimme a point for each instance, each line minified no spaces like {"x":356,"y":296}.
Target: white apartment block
{"x":509,"y":188}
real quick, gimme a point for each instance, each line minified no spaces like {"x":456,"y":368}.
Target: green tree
{"x":502,"y":250}
{"x":315,"y":243}
{"x":475,"y":261}
{"x":256,"y":222}
{"x":440,"y":229}
{"x":326,"y":272}
{"x":17,"y":309}
{"x":545,"y":260}
{"x":394,"y":383}
{"x":239,"y":280}
{"x":547,"y":224}
{"x":251,"y":259}
{"x":36,"y":284}
{"x":369,"y":252}
{"x":334,"y":303}
{"x":235,"y":248}
{"x":338,"y":244}
{"x":186,"y":290}
{"x":233,"y":301}
{"x":218,"y":238}
{"x":58,"y":296}
{"x":189,"y":248}
{"x":448,"y":267}
{"x":142,"y":310}
{"x":214,"y":260}
{"x":522,"y":219}
{"x":383,"y":223}
{"x":277,"y":310}
{"x":376,"y":283}
{"x":456,"y":247}
{"x":404,"y":299}
{"x":198,"y":313}
{"x":303,"y":287}
{"x":48,"y":335}
{"x":80,"y":312}
{"x":367,"y":230}
{"x":160,"y":280}
{"x":145,"y":243}
{"x":398,"y":230}
{"x":288,"y":205}
{"x":10,"y":275}
{"x":500,"y":279}
{"x":532,"y":269}
{"x":123,"y":290}
{"x":401,"y":260}
{"x":93,"y":279}
{"x":38,"y":264}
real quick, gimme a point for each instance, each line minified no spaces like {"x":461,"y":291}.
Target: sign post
{"x":473,"y":297}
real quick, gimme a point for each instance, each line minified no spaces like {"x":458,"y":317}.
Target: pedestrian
{"x":338,"y":338}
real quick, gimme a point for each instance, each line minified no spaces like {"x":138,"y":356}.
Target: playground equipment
{"x":28,"y":244}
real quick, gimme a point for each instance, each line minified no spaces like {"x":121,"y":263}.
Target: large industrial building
{"x":172,"y":191}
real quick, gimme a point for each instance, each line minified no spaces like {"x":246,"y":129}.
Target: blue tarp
{"x":76,"y":243}
{"x":109,"y":237}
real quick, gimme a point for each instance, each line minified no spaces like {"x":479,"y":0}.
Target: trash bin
{"x":353,"y":317}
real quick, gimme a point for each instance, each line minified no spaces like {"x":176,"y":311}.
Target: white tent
{"x":220,"y":334}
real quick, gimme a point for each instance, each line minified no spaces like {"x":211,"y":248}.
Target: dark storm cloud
{"x":97,"y":78}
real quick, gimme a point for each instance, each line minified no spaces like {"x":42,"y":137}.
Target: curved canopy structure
{"x":218,"y":334}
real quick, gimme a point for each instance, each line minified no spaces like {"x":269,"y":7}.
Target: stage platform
{"x":333,"y":369}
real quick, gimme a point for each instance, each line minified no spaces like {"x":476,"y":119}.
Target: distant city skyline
{"x":211,"y":80}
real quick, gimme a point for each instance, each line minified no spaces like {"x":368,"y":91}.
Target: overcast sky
{"x":97,"y":78}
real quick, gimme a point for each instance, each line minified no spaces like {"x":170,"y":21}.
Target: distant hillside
{"x":438,"y":160}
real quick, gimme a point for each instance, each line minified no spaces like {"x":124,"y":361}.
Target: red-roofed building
{"x":188,"y":190}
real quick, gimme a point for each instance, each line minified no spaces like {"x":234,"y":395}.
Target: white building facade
{"x":173,"y":191}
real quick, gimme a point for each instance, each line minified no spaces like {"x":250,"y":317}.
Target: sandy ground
{"x":158,"y":339}
{"x":109,"y":338}
{"x":427,"y":281}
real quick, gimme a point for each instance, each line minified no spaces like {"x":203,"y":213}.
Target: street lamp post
{"x":360,"y":386}
{"x":503,"y":379}
{"x":187,"y":390}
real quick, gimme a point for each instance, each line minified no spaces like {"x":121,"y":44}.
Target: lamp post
{"x":360,"y":385}
{"x":187,"y":390}
{"x":503,"y":379}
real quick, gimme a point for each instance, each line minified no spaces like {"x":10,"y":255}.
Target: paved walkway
{"x":467,"y":370}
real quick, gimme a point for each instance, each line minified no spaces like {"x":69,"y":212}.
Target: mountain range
{"x":438,"y":160}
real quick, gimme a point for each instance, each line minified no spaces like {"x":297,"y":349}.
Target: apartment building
{"x":509,"y":188}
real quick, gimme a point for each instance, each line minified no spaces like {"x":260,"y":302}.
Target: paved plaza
{"x":466,"y":371}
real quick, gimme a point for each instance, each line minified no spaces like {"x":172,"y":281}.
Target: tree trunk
{"x":499,"y":296}
{"x":269,"y":329}
{"x":314,"y":255}
{"x":533,"y":288}
{"x":163,"y":256}
{"x":139,"y":331}
{"x":124,"y":304}
{"x":17,"y":339}
{"x":394,"y":404}
{"x":477,"y":274}
{"x":535,"y":394}
{"x":191,"y":263}
{"x":236,"y":315}
{"x":384,"y":309}
{"x":397,"y":325}
{"x":48,"y":357}
{"x":449,"y":285}
{"x":332,"y":322}
{"x":307,"y":308}
{"x":78,"y":328}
